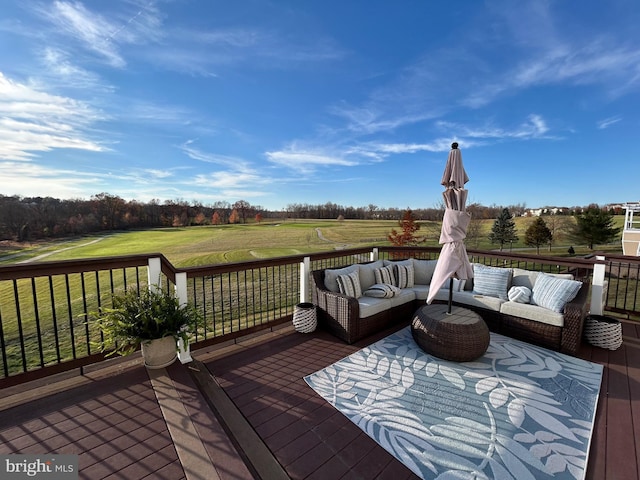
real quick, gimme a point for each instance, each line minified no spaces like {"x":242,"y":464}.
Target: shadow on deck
{"x":127,"y":422}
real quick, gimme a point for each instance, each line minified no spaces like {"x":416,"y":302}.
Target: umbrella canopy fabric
{"x":453,"y":260}
{"x":454,"y":174}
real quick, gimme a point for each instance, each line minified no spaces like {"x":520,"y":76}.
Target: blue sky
{"x":352,"y":102}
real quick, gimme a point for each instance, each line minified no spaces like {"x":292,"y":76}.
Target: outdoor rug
{"x":519,"y":412}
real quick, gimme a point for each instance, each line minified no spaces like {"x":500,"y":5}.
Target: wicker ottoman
{"x":461,"y":336}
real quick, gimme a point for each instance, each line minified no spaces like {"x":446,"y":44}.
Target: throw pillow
{"x":385,"y":275}
{"x":381,"y":290}
{"x":331,"y":276}
{"x":458,"y":285}
{"x":491,"y":281}
{"x":349,"y":284}
{"x":553,"y":292}
{"x":520,"y":294}
{"x":405,"y":276}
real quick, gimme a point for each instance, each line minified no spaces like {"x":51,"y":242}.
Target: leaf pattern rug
{"x":519,"y":412}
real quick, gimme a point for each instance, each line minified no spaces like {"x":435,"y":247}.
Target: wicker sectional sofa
{"x":353,"y":317}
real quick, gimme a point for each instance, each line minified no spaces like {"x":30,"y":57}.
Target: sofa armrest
{"x":339,"y":313}
{"x":575,"y":313}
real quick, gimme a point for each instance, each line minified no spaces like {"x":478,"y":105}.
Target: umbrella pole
{"x":450,"y":295}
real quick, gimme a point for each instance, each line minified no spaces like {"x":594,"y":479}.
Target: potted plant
{"x":150,"y":318}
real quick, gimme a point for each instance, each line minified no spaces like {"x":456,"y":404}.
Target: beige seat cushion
{"x":533,"y":312}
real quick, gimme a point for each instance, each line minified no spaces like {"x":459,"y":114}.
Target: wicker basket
{"x":304,"y":317}
{"x":603,"y":332}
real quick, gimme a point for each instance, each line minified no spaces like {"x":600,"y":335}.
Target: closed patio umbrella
{"x":453,"y":261}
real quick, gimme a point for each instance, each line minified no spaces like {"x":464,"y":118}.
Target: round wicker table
{"x":460,"y":336}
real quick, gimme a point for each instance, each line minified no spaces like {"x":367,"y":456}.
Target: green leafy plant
{"x":143,"y":316}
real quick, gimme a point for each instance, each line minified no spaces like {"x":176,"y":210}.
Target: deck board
{"x":116,"y":426}
{"x":312,"y":440}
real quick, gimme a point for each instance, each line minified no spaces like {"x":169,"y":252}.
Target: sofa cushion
{"x":523,"y":278}
{"x":385,"y":275}
{"x":527,"y":278}
{"x":381,"y":290}
{"x":349,"y":284}
{"x":553,"y":292}
{"x":532,"y":312}
{"x":331,"y":276}
{"x":472,"y":299}
{"x":370,"y":306}
{"x":491,"y":281}
{"x":421,"y":291}
{"x":367,"y":277}
{"x":406,"y":295}
{"x":423,"y":271}
{"x":519,"y":294}
{"x":404,"y":276}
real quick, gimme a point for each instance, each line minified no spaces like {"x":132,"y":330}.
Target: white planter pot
{"x":159,"y":353}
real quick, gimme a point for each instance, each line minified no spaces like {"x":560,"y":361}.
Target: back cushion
{"x":423,"y":271}
{"x":523,"y":278}
{"x":331,"y":276}
{"x":367,"y":276}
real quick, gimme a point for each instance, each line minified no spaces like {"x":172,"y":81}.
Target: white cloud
{"x":101,"y":35}
{"x":29,"y":179}
{"x":534,"y":127}
{"x":607,"y":122}
{"x":37,"y":121}
{"x":92,"y":30}
{"x":306,"y":161}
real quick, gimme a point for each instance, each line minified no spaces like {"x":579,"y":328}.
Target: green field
{"x":203,"y":245}
{"x":61,"y":324}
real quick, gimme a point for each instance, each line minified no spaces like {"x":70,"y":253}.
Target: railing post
{"x":374,"y":254}
{"x":153,"y":273}
{"x":305,"y":272}
{"x":184,"y":351}
{"x":597,"y":287}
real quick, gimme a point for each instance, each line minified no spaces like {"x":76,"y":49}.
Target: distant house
{"x":536,"y":212}
{"x":631,"y":231}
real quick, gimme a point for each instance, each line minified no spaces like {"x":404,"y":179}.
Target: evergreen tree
{"x":538,"y":234}
{"x":594,"y":226}
{"x":504,"y":229}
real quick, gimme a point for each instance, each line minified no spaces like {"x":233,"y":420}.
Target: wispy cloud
{"x":305,"y":160}
{"x":607,"y":122}
{"x":101,"y":35}
{"x":33,"y":121}
{"x":233,"y":163}
{"x":441,"y":145}
{"x":213,"y":52}
{"x":534,"y":127}
{"x":43,"y":181}
{"x":61,"y":72}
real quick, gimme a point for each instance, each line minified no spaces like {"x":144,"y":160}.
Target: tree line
{"x":591,"y":226}
{"x":34,"y":218}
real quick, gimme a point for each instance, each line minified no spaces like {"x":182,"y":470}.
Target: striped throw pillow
{"x":381,"y":290}
{"x":405,"y":276}
{"x":553,"y":292}
{"x":349,"y":284}
{"x":385,"y":275}
{"x":491,"y":281}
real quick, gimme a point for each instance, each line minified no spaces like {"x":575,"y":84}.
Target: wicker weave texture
{"x":603,"y":332}
{"x":304,"y":318}
{"x":461,"y":336}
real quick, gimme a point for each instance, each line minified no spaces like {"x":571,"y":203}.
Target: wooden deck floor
{"x":132,"y":424}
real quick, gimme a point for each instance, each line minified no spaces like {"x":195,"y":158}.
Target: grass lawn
{"x":191,"y":246}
